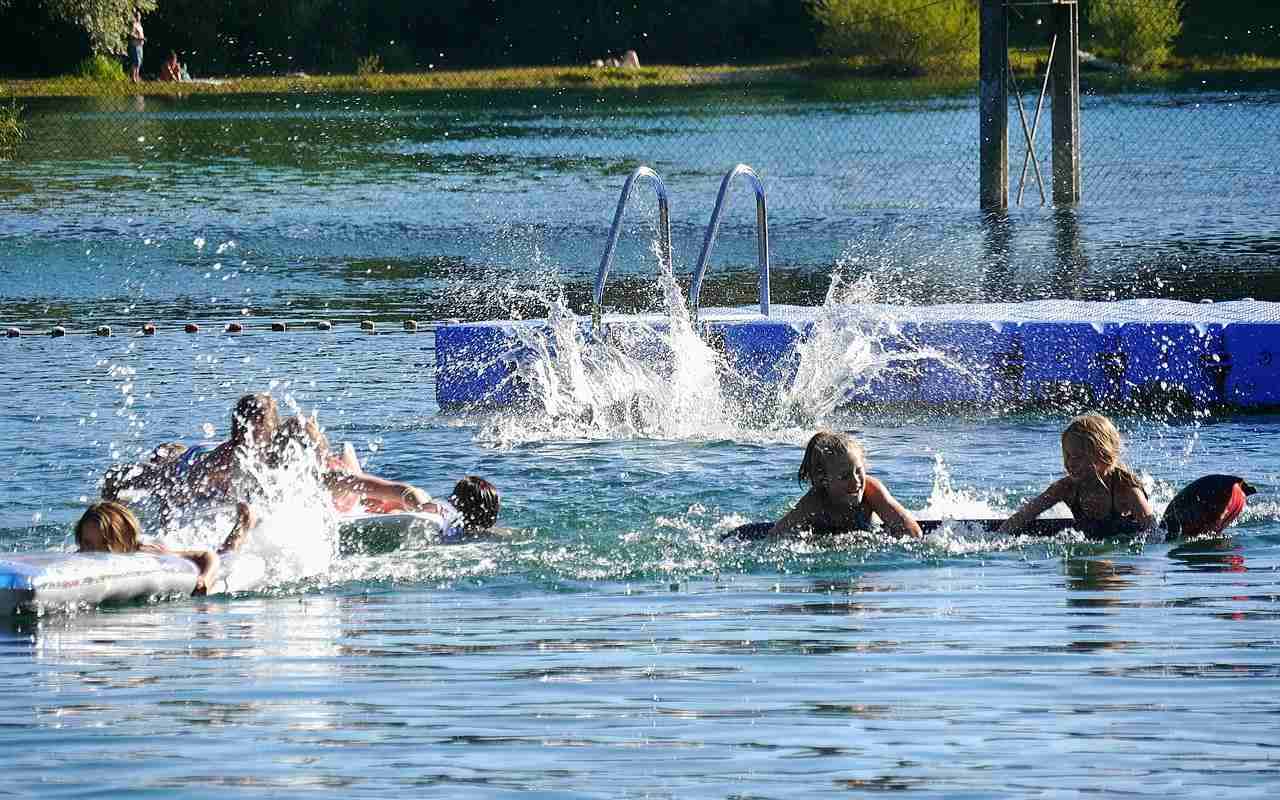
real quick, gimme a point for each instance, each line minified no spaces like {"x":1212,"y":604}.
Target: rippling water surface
{"x":607,"y":643}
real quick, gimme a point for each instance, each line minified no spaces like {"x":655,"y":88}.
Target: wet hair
{"x":117,"y":524}
{"x":824,"y":444}
{"x":478,"y":502}
{"x":1099,"y":436}
{"x":304,"y":430}
{"x":252,"y":410}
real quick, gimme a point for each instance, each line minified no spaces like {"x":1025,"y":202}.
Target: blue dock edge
{"x":1148,"y":351}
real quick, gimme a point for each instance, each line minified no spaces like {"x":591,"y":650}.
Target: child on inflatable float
{"x":1107,"y":500}
{"x":842,"y":497}
{"x":472,"y":507}
{"x":1105,"y":497}
{"x":110,"y":527}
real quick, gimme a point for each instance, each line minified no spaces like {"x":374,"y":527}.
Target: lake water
{"x":609,"y":644}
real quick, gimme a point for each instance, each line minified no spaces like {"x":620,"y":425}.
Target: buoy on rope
{"x":410,"y":325}
{"x":324,"y":325}
{"x":12,"y":333}
{"x":57,"y":331}
{"x":367,"y":325}
{"x":191,"y":327}
{"x":149,"y":329}
{"x":103,"y":330}
{"x":279,"y":327}
{"x":233,"y":327}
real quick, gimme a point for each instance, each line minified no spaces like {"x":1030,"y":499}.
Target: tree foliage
{"x":901,"y":35}
{"x":1139,"y":34}
{"x":106,"y":22}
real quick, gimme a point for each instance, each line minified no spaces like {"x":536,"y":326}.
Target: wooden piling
{"x":993,"y":106}
{"x":1064,"y":18}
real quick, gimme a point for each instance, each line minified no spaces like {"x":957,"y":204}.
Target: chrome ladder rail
{"x":762,"y":239}
{"x":664,"y":237}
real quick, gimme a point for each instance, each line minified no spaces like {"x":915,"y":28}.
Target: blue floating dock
{"x":1136,"y":351}
{"x":1199,"y":355}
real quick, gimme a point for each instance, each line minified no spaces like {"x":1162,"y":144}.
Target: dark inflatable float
{"x":1205,"y":507}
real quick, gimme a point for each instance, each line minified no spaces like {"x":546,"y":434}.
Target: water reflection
{"x":1211,"y":555}
{"x":1098,"y":575}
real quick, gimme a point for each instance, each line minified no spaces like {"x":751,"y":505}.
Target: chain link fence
{"x":831,"y":140}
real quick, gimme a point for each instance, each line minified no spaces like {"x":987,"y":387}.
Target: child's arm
{"x":895,"y":517}
{"x":798,"y":517}
{"x":205,"y":560}
{"x":1033,"y":508}
{"x":246,"y":520}
{"x":1131,"y":502}
{"x":392,"y":493}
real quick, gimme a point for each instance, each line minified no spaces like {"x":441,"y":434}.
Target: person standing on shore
{"x":136,"y":38}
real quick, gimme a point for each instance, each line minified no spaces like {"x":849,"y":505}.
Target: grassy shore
{"x":838,"y":78}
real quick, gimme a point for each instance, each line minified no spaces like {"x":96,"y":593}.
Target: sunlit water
{"x":607,"y":643}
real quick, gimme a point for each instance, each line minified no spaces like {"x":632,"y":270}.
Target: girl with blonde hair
{"x":1105,"y":497}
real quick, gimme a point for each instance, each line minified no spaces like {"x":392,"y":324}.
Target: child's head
{"x":306,"y":432}
{"x":108,"y":527}
{"x":255,"y":420}
{"x":836,"y":463}
{"x":1090,"y":442}
{"x":478,"y":502}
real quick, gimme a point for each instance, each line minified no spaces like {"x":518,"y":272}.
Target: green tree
{"x":907,"y":36}
{"x":107,"y":22}
{"x":1139,"y":34}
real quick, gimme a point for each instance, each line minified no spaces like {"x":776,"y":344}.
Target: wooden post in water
{"x":1065,"y":21}
{"x":993,"y":106}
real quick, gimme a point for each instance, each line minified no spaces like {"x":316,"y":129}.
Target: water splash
{"x":652,"y":379}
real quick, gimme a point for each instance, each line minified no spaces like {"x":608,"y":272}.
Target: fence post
{"x":993,"y":106}
{"x":1065,"y":21}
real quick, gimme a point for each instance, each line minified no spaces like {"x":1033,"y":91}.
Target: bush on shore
{"x":901,"y":36}
{"x":100,"y":68}
{"x":12,"y":129}
{"x":1137,"y":33}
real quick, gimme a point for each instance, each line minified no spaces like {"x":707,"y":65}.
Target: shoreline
{"x":818,"y":75}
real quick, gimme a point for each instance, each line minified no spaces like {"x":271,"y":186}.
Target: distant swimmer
{"x":1105,"y":497}
{"x":110,"y":527}
{"x":842,"y":496}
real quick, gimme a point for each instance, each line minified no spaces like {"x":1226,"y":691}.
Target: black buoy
{"x":58,"y":331}
{"x":233,"y":327}
{"x":149,"y":329}
{"x":410,"y":325}
{"x":13,"y":333}
{"x":191,"y":327}
{"x":324,"y":325}
{"x":279,"y":327}
{"x":367,"y":325}
{"x":103,"y":330}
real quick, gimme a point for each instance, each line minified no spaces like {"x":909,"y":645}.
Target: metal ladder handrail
{"x":762,"y":239}
{"x":664,"y":237}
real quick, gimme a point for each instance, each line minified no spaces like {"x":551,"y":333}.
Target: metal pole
{"x":1065,"y":20}
{"x":993,"y":106}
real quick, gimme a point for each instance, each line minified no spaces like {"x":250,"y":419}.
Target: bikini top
{"x":1112,"y":525}
{"x":188,"y":459}
{"x":861,"y":521}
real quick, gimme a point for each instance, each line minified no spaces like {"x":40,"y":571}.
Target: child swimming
{"x":472,"y":507}
{"x":110,"y":527}
{"x":842,"y":496}
{"x":1105,"y":497}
